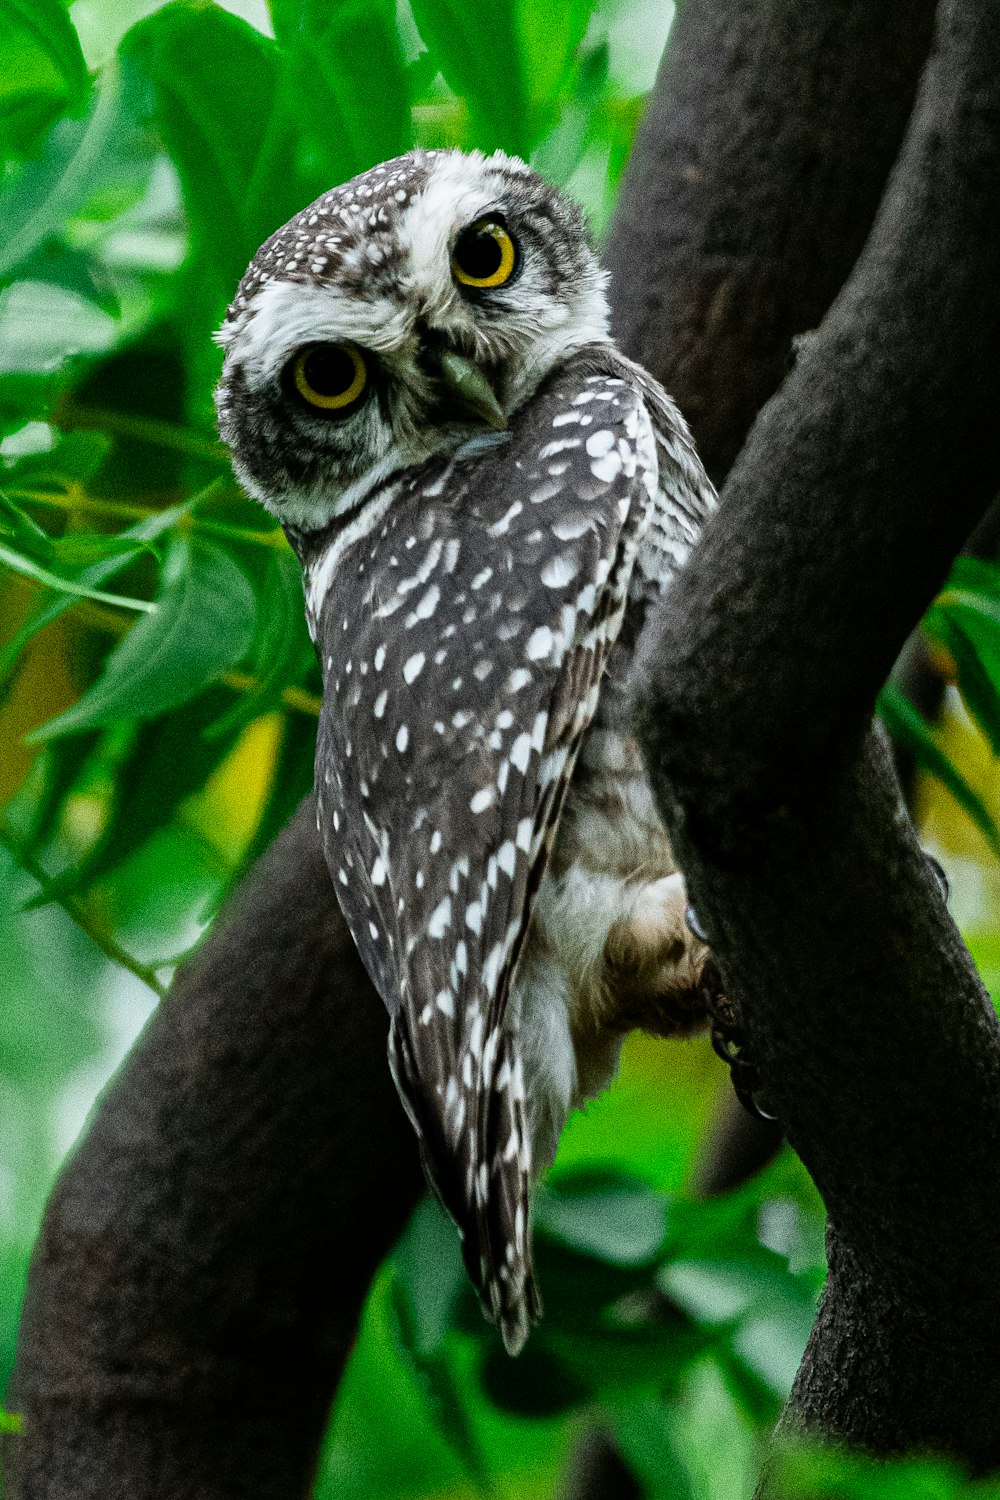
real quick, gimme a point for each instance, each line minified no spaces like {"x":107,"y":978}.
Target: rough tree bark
{"x":756,"y":172}
{"x":196,"y":1241}
{"x":879,"y":1047}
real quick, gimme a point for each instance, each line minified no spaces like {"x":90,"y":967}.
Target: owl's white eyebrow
{"x":284,"y":315}
{"x":454,"y":195}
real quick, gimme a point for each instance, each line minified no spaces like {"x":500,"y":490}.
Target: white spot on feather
{"x":540,"y":643}
{"x":440,"y":919}
{"x":520,"y":752}
{"x":559,"y":571}
{"x":413,"y":667}
{"x":445,"y":1003}
{"x":483,"y":799}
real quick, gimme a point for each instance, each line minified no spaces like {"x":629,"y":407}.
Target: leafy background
{"x":158,"y":700}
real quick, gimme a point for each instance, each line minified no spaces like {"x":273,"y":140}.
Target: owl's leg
{"x":541,"y":1002}
{"x":620,"y":956}
{"x":605,"y":955}
{"x":657,"y":976}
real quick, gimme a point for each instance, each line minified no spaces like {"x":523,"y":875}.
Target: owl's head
{"x":395,"y":318}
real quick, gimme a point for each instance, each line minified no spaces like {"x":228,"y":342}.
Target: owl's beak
{"x":470,"y":391}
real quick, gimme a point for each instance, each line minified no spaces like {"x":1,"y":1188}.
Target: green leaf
{"x":975,"y":581}
{"x":42,"y":326}
{"x":965,"y":619}
{"x":281,"y":648}
{"x":559,"y":154}
{"x":345,"y":90}
{"x":144,"y":531}
{"x":214,"y":81}
{"x":27,"y":396}
{"x":607,"y":1216}
{"x":911,"y":730}
{"x":42,"y":70}
{"x":428,"y":1279}
{"x":717,"y":1292}
{"x":167,"y":759}
{"x":31,"y":569}
{"x":548,"y":38}
{"x":537,"y":1384}
{"x":291,"y":779}
{"x":203,"y":624}
{"x":58,"y":264}
{"x":771,"y":1344}
{"x":75,"y":457}
{"x":476,"y":48}
{"x":977,"y":673}
{"x":800,"y":1468}
{"x":24,"y":532}
{"x":645,"y":1436}
{"x":36,"y":202}
{"x":81,"y":549}
{"x":64,"y":762}
{"x":606,"y":1361}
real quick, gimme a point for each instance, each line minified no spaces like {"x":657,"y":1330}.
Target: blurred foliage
{"x":158,"y":695}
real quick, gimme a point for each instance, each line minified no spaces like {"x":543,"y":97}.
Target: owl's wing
{"x":464,"y":632}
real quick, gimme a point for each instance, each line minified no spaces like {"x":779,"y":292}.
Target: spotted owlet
{"x":486,"y":497}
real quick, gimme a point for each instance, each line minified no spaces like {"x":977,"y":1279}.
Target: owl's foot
{"x":659,"y":976}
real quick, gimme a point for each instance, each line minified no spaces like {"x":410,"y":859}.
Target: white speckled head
{"x":370,"y":265}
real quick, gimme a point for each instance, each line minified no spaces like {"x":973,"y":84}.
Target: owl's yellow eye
{"x":485,"y":255}
{"x":330,"y":376}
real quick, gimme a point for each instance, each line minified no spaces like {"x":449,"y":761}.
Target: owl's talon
{"x":941,"y":875}
{"x":694,"y":925}
{"x":751,"y":1106}
{"x":728,"y":1043}
{"x":725,"y":1046}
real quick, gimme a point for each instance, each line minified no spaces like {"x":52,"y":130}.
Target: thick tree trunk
{"x":878,"y":1046}
{"x":757,"y":170}
{"x":206,"y":1253}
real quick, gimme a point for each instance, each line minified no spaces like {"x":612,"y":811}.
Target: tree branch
{"x":206,"y":1253}
{"x":879,"y":1048}
{"x":883,"y":444}
{"x":755,"y":176}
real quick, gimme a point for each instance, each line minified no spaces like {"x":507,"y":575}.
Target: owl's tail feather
{"x":503,"y":1220}
{"x":481,"y":1177}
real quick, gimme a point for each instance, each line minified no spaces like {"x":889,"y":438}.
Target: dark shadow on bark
{"x":736,"y":1147}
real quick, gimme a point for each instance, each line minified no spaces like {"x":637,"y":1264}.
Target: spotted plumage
{"x":482,"y":530}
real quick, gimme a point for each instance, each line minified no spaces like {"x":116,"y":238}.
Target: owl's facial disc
{"x":419,"y":303}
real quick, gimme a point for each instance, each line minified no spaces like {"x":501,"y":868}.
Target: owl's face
{"x":395,"y":318}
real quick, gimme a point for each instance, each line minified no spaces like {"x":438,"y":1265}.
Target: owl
{"x":486,"y":498}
